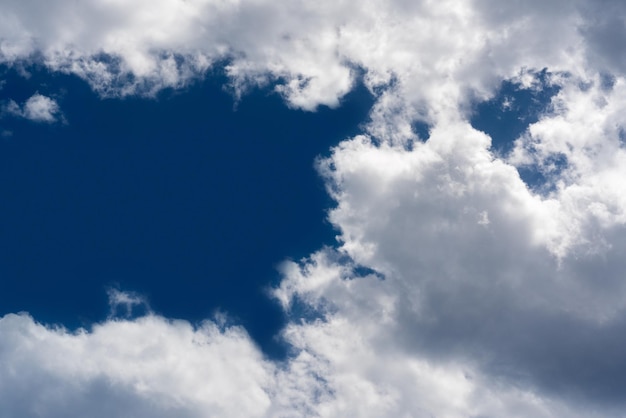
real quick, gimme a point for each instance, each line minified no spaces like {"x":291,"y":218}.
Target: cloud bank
{"x":487,"y":296}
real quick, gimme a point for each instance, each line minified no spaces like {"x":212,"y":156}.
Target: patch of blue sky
{"x":509,"y":113}
{"x":421,"y":129}
{"x":183,"y":198}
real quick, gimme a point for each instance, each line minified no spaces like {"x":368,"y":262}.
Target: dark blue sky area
{"x":182,"y":199}
{"x":509,"y":113}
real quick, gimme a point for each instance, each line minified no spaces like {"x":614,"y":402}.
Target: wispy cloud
{"x":123,"y":302}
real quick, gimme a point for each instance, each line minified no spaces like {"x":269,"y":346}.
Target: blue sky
{"x":255,"y":209}
{"x":188,"y":198}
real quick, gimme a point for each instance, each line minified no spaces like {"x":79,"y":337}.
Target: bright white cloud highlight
{"x":497,"y":299}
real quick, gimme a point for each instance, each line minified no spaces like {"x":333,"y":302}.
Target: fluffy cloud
{"x":477,"y":268}
{"x":37,"y":108}
{"x":485,"y":296}
{"x":436,"y":52}
{"x":154,"y":367}
{"x":143,"y":368}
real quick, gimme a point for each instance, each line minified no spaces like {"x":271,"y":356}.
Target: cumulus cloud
{"x":149,"y":367}
{"x":489,"y":297}
{"x":533,"y":298}
{"x":434,"y":51}
{"x":154,"y":367}
{"x":37,"y":108}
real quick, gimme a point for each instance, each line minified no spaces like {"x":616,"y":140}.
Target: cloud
{"x":606,"y":25}
{"x":154,"y":367}
{"x":125,"y":301}
{"x":145,"y":368}
{"x":532,"y":299}
{"x":437,"y":53}
{"x":492,"y":297}
{"x":37,"y":108}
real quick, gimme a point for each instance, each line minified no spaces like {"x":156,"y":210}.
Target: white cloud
{"x":153,"y":367}
{"x":497,"y":299}
{"x":37,"y":108}
{"x":148,"y":367}
{"x":437,"y":51}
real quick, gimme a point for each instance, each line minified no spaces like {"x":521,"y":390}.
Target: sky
{"x":147,"y":196}
{"x":245,"y":208}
